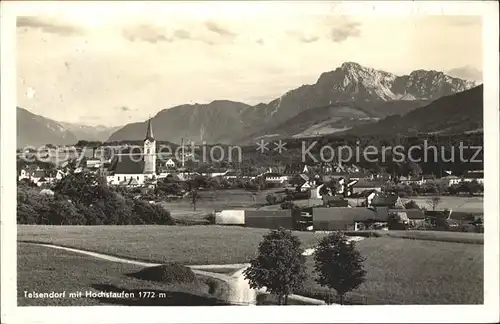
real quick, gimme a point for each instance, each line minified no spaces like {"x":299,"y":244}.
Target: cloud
{"x":48,"y":26}
{"x":303,"y":38}
{"x":154,"y":34}
{"x":181,"y":34}
{"x":345,"y":30}
{"x":220,"y":30}
{"x":125,"y":109}
{"x":145,"y":33}
{"x":466,"y":72}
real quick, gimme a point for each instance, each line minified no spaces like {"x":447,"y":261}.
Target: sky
{"x":118,"y":63}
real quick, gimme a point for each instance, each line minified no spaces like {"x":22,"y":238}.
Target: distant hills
{"x":90,"y":133}
{"x":457,"y":113}
{"x":35,"y":130}
{"x":334,"y":118}
{"x":340,"y":99}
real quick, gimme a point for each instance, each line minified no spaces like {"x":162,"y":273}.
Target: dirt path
{"x":240,"y":292}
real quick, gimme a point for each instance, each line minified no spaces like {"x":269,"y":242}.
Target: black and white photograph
{"x":268,"y":153}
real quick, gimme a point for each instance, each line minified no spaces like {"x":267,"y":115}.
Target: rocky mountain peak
{"x":350,"y":66}
{"x":349,"y":84}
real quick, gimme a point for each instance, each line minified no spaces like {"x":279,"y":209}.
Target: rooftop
{"x":127,"y":164}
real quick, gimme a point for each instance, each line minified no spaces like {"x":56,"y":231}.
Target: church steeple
{"x":149,"y":131}
{"x":149,"y":151}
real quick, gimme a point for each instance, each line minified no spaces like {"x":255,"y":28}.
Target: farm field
{"x":437,"y":236}
{"x":463,"y":204}
{"x":210,"y":201}
{"x":183,"y":244}
{"x":456,"y":204}
{"x":42,"y":269}
{"x":399,"y":271}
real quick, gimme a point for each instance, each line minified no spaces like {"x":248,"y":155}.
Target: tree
{"x":338,"y":264}
{"x":199,"y":181}
{"x":279,"y":266}
{"x":84,"y":187}
{"x":169,"y":187}
{"x":411,"y":205}
{"x":398,"y":221}
{"x":414,"y":168}
{"x":253,"y":189}
{"x":194,"y":198}
{"x":474,"y":187}
{"x":287,"y":204}
{"x":434,"y":202}
{"x":271,"y":199}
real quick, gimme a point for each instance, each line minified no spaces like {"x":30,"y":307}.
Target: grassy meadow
{"x":183,"y":244}
{"x":437,"y":236}
{"x":43,"y":269}
{"x":402,"y":271}
{"x":415,"y":268}
{"x":211,"y":200}
{"x":465,"y":204}
{"x":473,"y":204}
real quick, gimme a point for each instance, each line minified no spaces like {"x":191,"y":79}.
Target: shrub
{"x":288,"y":205}
{"x":411,"y":205}
{"x":151,"y":213}
{"x":397,"y":222}
{"x":26,"y":213}
{"x":271,"y":199}
{"x":210,"y":218}
{"x":167,"y":273}
{"x":468,"y":228}
{"x":62,"y":212}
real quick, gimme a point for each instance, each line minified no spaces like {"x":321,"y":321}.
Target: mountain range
{"x":340,"y":99}
{"x":35,"y":130}
{"x":458,"y":113}
{"x":90,"y":133}
{"x":352,"y":98}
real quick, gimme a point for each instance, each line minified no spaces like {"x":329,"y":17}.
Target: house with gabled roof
{"x":450,"y":180}
{"x":39,"y":175}
{"x":416,"y":180}
{"x":364,"y":185}
{"x":274,"y":177}
{"x":474,"y":176}
{"x":389,"y":200}
{"x":294,"y":169}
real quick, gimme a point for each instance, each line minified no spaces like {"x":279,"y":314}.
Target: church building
{"x":135,"y":169}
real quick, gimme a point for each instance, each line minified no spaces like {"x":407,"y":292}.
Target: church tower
{"x":149,"y":151}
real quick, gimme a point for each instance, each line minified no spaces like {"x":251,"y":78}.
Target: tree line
{"x":84,"y":199}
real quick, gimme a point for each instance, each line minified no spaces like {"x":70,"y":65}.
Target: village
{"x":321,"y":197}
{"x":173,"y":154}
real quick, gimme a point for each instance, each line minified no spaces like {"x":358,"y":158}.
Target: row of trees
{"x":85,"y":199}
{"x":472,"y":187}
{"x":280,"y":265}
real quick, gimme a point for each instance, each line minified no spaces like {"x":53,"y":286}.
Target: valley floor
{"x":399,"y":270}
{"x":45,"y":270}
